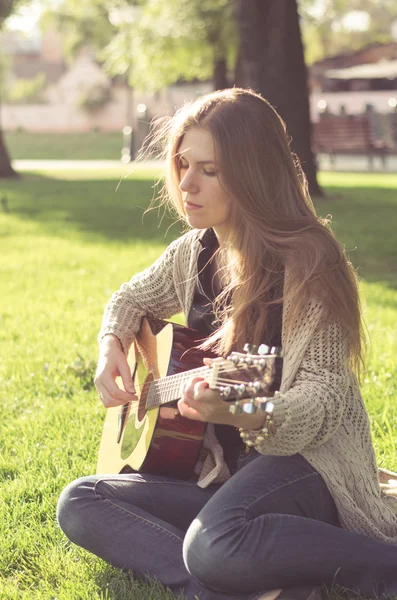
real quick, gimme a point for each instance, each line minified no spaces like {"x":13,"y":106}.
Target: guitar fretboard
{"x":168,"y":389}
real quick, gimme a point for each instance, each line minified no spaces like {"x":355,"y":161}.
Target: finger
{"x":198,"y":388}
{"x":208,"y":361}
{"x":188,"y":411}
{"x":109,"y":400}
{"x":110,"y":393}
{"x":104,"y":395}
{"x":188,"y":386}
{"x":126,"y":376}
{"x":106,"y":398}
{"x":117,"y":393}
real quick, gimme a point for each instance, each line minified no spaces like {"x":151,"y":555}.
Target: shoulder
{"x":190,"y":238}
{"x":181,"y":254}
{"x":311,"y":313}
{"x":186,"y":245}
{"x":181,"y":245}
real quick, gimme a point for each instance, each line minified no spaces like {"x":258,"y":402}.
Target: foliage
{"x":326,"y":28}
{"x":81,"y":23}
{"x":26,"y":90}
{"x":153,"y":43}
{"x":181,"y":40}
{"x":156,"y":43}
{"x":84,"y":370}
{"x":72,"y":243}
{"x":8,"y":7}
{"x":95,"y":98}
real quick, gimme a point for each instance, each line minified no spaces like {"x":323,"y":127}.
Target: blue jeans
{"x":273,"y":524}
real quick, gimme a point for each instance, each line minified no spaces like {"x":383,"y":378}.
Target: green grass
{"x":65,"y":246}
{"x":71,"y":146}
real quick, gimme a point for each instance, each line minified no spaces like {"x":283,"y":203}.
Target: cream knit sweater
{"x":320,"y":412}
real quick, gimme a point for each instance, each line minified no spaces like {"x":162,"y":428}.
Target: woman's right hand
{"x":113,"y":363}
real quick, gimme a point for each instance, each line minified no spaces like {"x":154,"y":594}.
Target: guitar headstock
{"x":248,"y":375}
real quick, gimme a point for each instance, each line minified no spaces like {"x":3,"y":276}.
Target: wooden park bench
{"x":345,"y":135}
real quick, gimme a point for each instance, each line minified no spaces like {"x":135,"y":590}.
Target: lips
{"x":191,"y":206}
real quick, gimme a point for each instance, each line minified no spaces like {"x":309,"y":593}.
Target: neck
{"x":221,"y":233}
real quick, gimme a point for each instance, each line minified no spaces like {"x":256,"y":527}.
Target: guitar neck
{"x":168,"y":389}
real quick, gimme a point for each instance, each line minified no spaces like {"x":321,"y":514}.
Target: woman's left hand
{"x":200,"y":403}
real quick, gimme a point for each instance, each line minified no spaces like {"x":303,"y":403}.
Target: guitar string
{"x":164,"y":387}
{"x":158,"y":404}
{"x":173,"y":379}
{"x":187,"y":374}
{"x":165,"y":400}
{"x":199,"y":371}
{"x":220,"y":379}
{"x":166,"y":383}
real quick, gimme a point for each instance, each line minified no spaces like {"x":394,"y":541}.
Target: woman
{"x":304,"y":507}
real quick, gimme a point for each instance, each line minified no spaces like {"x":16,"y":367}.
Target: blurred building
{"x":79,"y":96}
{"x":355,"y":82}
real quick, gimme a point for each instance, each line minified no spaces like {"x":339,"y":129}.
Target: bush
{"x":95,"y":98}
{"x":26,"y":90}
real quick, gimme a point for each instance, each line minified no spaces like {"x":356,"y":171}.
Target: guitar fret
{"x":166,"y":389}
{"x":152,"y":397}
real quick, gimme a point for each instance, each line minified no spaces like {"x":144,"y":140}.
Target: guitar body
{"x":158,"y":440}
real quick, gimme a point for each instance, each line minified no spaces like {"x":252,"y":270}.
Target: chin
{"x":197,"y":223}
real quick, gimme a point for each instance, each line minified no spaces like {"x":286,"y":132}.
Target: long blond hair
{"x":273,"y":225}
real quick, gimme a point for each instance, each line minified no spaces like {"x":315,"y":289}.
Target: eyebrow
{"x":199,"y":162}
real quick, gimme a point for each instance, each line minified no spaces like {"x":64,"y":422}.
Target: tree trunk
{"x":271,"y":62}
{"x":220,"y":75}
{"x":6,"y":169}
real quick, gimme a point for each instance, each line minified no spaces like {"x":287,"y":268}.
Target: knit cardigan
{"x":319,"y":412}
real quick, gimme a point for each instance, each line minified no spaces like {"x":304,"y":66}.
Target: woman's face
{"x":205,"y":202}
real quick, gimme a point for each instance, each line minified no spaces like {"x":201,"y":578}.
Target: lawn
{"x":71,"y":146}
{"x":68,"y":241}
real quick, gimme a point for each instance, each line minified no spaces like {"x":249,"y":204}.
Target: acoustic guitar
{"x":150,"y":435}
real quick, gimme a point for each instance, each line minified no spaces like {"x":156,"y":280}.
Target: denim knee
{"x":201,"y":561}
{"x":216,"y":557}
{"x":70,"y":510}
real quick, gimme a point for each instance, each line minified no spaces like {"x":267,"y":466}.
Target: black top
{"x":201,"y":316}
{"x":202,"y":319}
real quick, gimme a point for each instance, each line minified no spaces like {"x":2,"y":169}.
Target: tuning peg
{"x":265,"y":404}
{"x":240,"y":389}
{"x":234,"y":358}
{"x":235,"y":408}
{"x":225,"y":391}
{"x":263,"y":349}
{"x":276,"y":351}
{"x":257,"y":385}
{"x":250,"y":348}
{"x":250,"y":407}
{"x":261,"y":363}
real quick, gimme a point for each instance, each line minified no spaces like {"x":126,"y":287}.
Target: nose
{"x":188,"y":183}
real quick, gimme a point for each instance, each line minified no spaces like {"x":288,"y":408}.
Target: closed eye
{"x":181,"y":164}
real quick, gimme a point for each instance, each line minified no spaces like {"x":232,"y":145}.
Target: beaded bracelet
{"x":266,"y":430}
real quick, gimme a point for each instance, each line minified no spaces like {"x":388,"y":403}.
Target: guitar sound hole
{"x":142,"y":399}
